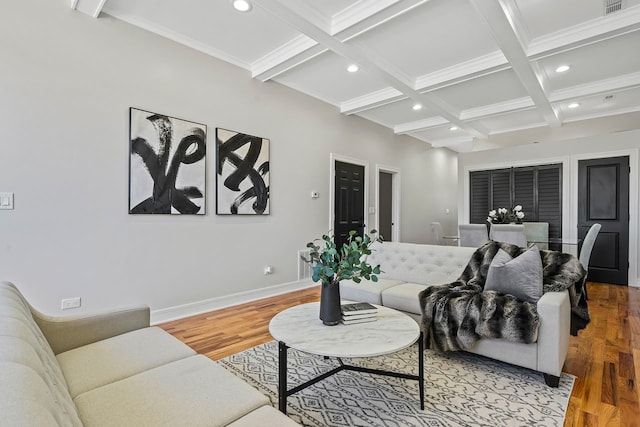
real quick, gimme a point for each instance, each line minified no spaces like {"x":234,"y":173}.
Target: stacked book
{"x":358,"y":312}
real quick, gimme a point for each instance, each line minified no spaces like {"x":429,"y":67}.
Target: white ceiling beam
{"x":361,"y":17}
{"x":450,"y":142}
{"x":90,"y":7}
{"x":593,"y":31}
{"x":627,"y":81}
{"x":589,"y":32}
{"x":614,"y":84}
{"x":365,"y":15}
{"x":419,"y":125}
{"x":295,"y":52}
{"x":369,"y":60}
{"x":510,"y":106}
{"x":505,"y":29}
{"x":463,"y":71}
{"x":371,"y":100}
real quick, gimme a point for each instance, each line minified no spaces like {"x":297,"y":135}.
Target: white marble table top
{"x":300,"y":328}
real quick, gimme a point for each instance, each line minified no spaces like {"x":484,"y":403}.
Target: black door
{"x":603,"y":197}
{"x":349,"y":201}
{"x":385,"y":206}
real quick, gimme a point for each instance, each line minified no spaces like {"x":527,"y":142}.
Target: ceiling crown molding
{"x":283,"y":58}
{"x":179,"y":38}
{"x":89,"y":7}
{"x":476,"y":67}
{"x":613,"y":84}
{"x":592,"y":31}
{"x":371,"y":100}
{"x":419,"y":125}
{"x":512,"y":105}
{"x":505,"y":33}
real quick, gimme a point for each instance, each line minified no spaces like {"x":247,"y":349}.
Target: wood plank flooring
{"x":605,"y":357}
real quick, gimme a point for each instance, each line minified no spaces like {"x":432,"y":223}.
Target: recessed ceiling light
{"x":352,"y":68}
{"x":242,"y":5}
{"x":417,"y":107}
{"x":562,"y":68}
{"x":453,"y":127}
{"x":573,"y":105}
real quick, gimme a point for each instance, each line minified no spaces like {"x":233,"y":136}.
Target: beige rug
{"x":461,"y":389}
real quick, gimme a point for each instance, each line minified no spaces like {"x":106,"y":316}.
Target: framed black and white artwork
{"x":166,"y":164}
{"x":242,"y":175}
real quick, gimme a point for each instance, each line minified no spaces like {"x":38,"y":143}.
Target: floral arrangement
{"x":504,"y":216}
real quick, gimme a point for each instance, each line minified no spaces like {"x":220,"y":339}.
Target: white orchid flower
{"x":492,"y":213}
{"x":502,"y":210}
{"x":520,"y":215}
{"x":518,"y":208}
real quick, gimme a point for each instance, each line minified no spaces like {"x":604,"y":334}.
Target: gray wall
{"x":569,"y":152}
{"x":66,"y":84}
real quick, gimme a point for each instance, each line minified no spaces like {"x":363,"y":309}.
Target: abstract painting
{"x":166,"y":164}
{"x":242,"y":174}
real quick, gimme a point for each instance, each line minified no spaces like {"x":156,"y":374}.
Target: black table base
{"x":283,"y":393}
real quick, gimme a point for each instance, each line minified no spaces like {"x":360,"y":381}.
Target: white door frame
{"x":332,"y":185}
{"x":395,"y":200}
{"x":633,"y":276}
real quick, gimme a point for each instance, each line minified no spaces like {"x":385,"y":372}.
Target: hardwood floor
{"x":605,"y":357}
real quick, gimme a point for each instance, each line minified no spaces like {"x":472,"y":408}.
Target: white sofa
{"x":112,"y":369}
{"x":409,"y":267}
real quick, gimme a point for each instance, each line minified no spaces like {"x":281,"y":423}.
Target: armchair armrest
{"x":554,"y":310}
{"x":68,"y":332}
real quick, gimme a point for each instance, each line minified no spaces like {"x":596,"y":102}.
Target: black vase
{"x":330,"y":310}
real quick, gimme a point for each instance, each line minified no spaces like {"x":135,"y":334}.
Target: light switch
{"x":6,"y":200}
{"x":315,"y":194}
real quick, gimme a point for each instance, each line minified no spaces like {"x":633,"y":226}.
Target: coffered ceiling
{"x":478,"y":69}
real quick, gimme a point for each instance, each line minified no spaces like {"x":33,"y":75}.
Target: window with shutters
{"x":537,"y":188}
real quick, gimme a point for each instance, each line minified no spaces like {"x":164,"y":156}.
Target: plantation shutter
{"x":524,"y":180}
{"x":550,"y":198}
{"x":500,"y":188}
{"x":479,"y":192}
{"x":537,"y":188}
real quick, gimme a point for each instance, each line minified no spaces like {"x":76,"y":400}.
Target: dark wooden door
{"x":349,"y":201}
{"x":603,"y":197}
{"x":385,"y":206}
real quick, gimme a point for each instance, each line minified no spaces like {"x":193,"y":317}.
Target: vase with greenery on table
{"x":330,"y":265}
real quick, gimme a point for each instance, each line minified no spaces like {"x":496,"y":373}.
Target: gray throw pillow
{"x":520,"y":276}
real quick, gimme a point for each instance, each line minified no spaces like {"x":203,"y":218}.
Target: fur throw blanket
{"x":456,"y":315}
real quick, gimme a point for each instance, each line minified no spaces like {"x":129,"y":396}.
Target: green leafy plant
{"x":330,"y":264}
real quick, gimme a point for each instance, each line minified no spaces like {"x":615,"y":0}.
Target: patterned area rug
{"x":461,"y":389}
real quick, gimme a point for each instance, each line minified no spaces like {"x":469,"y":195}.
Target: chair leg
{"x":551,"y":380}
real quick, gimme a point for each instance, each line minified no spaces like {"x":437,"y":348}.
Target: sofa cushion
{"x":264,"y":416}
{"x":366,"y":290}
{"x":189,"y":392}
{"x":520,"y":276}
{"x":403,"y":297}
{"x":113,"y":359}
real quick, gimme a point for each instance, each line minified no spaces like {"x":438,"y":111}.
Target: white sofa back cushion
{"x":422,"y":264}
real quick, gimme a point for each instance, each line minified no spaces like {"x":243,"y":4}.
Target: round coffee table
{"x":300,"y":328}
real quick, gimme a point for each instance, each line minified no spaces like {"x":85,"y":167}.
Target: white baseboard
{"x":185,"y":310}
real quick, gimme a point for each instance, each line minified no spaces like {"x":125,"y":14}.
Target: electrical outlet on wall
{"x":70,"y":303}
